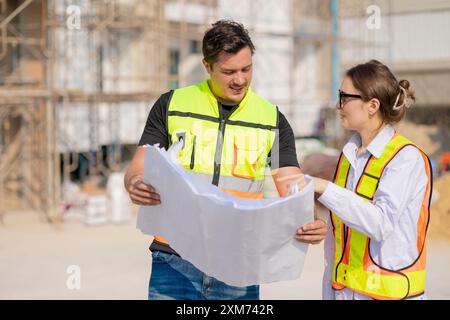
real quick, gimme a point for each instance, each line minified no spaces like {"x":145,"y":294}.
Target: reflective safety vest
{"x":354,"y":266}
{"x":230,"y":153}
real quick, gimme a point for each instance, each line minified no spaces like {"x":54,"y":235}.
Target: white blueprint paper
{"x":238,"y":241}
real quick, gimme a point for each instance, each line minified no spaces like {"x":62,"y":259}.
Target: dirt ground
{"x":114,"y":263}
{"x":439,"y":227}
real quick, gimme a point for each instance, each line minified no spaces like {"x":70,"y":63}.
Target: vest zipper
{"x":219,"y":147}
{"x":193,"y":154}
{"x":219,"y":143}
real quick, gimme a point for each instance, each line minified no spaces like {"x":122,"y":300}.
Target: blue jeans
{"x":174,"y":278}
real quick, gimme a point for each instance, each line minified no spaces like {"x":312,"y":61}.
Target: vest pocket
{"x":245,"y":160}
{"x":186,"y":157}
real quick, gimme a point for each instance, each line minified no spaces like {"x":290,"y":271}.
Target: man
{"x":229,"y":134}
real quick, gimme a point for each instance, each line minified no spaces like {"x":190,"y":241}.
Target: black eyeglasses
{"x":343,"y":98}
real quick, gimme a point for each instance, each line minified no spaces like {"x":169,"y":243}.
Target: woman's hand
{"x":320,"y":185}
{"x":313,"y":232}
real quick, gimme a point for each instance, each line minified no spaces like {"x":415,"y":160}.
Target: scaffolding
{"x":38,"y":39}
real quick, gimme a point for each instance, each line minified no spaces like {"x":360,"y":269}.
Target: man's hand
{"x":141,"y":193}
{"x":313,"y":232}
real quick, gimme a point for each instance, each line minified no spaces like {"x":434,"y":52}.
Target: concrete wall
{"x":413,"y":39}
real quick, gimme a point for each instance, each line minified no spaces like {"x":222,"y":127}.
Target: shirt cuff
{"x":330,"y":198}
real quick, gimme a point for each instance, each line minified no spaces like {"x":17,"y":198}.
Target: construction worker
{"x":380,"y":200}
{"x":229,"y":135}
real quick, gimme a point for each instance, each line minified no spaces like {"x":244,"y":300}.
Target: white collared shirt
{"x":390,"y":221}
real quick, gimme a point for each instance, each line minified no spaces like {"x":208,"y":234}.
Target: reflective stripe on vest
{"x":230,"y":153}
{"x":354,"y":266}
{"x":235,"y":183}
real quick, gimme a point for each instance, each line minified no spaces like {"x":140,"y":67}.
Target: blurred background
{"x":78,"y":79}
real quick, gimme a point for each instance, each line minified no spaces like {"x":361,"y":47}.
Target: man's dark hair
{"x":225,"y":36}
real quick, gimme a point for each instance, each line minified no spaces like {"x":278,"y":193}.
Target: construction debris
{"x":422,"y":135}
{"x":93,"y":205}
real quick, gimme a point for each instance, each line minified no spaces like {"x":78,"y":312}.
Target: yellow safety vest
{"x":230,"y":153}
{"x":354,"y":266}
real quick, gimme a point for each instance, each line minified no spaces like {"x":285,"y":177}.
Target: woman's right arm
{"x":404,"y":180}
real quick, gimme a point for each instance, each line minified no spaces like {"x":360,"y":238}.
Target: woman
{"x":379,"y":201}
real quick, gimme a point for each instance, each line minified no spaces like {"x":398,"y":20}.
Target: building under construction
{"x":78,"y":77}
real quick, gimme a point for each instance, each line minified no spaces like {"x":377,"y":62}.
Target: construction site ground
{"x":114,"y":262}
